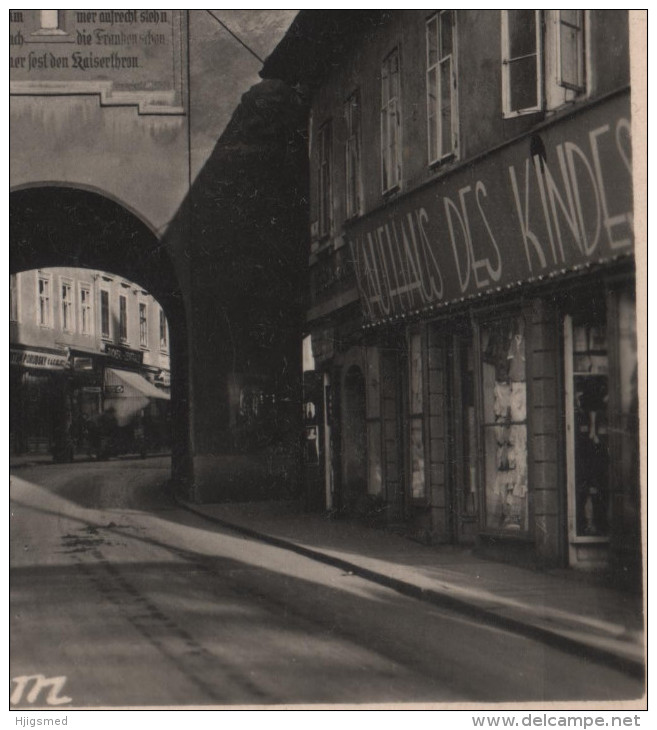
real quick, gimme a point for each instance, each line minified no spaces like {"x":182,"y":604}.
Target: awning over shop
{"x":131,"y":381}
{"x":128,"y":393}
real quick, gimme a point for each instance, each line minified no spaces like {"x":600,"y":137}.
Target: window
{"x":123,"y":318}
{"x":571,"y":49}
{"x":164,"y":340}
{"x":522,"y":65}
{"x":67,"y":306}
{"x":441,"y":86}
{"x":44,"y":316}
{"x":49,"y":22}
{"x":104,"y":314}
{"x":325,"y":144}
{"x":416,"y":419}
{"x":587,"y":396}
{"x":352,"y":154}
{"x":504,"y":396}
{"x":390,"y":123}
{"x":49,"y":19}
{"x":85,"y":309}
{"x":13,"y":298}
{"x":143,"y":325}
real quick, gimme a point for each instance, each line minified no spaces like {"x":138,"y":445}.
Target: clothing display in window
{"x":590,"y":391}
{"x":506,"y":458}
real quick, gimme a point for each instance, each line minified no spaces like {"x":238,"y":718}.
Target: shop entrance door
{"x":587,"y":440}
{"x":354,"y":442}
{"x":463,"y":438}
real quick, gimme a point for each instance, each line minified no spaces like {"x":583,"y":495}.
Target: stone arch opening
{"x":58,"y":226}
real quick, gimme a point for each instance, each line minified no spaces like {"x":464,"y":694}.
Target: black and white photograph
{"x":327,"y":360}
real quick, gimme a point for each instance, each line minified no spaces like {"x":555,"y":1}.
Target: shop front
{"x":35,"y":377}
{"x":497,"y":383}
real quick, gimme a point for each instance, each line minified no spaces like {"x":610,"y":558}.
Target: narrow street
{"x":132,"y":601}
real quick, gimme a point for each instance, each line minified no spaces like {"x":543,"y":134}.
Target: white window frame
{"x":506,"y":65}
{"x":164,"y":334}
{"x":435,"y":69}
{"x":67,"y":302}
{"x":42,"y":321}
{"x":14,"y":298}
{"x":325,"y":178}
{"x":143,"y":330}
{"x":580,"y":51}
{"x":353,"y":187}
{"x":124,"y":330}
{"x":105,"y":334}
{"x":391,"y":109}
{"x":85,"y":307}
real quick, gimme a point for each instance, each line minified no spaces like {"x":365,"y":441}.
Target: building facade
{"x":472,"y":306}
{"x":84,"y":343}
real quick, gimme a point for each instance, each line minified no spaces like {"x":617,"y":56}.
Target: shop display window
{"x":504,"y":396}
{"x":416,"y":425}
{"x":588,"y":393}
{"x":468,"y":431}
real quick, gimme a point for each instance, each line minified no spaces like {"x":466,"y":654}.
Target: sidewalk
{"x":564,"y":610}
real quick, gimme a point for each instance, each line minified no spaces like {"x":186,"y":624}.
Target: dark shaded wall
{"x":247,"y":218}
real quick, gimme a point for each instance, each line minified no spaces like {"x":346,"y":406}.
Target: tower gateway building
{"x":133,"y":159}
{"x":472,"y":286}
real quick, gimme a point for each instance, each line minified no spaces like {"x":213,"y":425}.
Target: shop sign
{"x":331,"y":275}
{"x":83,"y":363}
{"x":124,"y":354}
{"x":126,"y":56}
{"x":323,"y":344}
{"x":38,"y":360}
{"x":91,"y":389}
{"x":555,"y":201}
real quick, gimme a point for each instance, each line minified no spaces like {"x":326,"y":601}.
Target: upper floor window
{"x":85,"y":309}
{"x":324,"y":172}
{"x":352,"y":154}
{"x":143,"y":325}
{"x":44,"y":304}
{"x":442,"y":117}
{"x":522,"y":64}
{"x":164,"y":340}
{"x":104,"y":313}
{"x":543,"y":59}
{"x":67,"y":306}
{"x":390,"y":122}
{"x":123,"y":318}
{"x":571,"y":49}
{"x":13,"y":298}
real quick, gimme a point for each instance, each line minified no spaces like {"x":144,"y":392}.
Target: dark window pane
{"x":446,"y":33}
{"x":522,"y":32}
{"x":522,"y":83}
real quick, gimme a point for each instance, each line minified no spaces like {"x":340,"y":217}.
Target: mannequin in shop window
{"x":592,"y":457}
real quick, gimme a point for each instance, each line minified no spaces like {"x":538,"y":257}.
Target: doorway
{"x":462,"y":430}
{"x":354,"y":441}
{"x":586,"y":370}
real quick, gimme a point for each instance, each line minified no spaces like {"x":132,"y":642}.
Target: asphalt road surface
{"x":119,"y":598}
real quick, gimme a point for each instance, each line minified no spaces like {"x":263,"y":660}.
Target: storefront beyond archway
{"x":59,"y":226}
